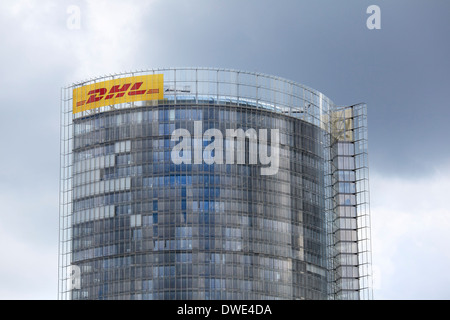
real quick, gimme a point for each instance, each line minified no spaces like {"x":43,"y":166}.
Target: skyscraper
{"x":198,"y":183}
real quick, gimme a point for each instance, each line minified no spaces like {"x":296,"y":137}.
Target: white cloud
{"x":109,"y":40}
{"x":410,"y":236}
{"x":29,"y":243}
{"x":40,"y":54}
{"x":110,"y":37}
{"x":28,"y":270}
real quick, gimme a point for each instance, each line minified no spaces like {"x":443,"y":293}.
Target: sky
{"x":400,"y":70}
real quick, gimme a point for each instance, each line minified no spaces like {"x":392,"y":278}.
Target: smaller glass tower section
{"x":350,"y":251}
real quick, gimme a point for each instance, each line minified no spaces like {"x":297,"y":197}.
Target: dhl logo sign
{"x":122,"y":90}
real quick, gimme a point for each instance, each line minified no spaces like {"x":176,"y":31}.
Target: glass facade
{"x":135,"y":225}
{"x":349,"y":194}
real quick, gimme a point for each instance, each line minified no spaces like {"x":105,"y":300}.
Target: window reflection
{"x":220,"y":231}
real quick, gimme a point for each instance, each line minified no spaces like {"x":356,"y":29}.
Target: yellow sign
{"x":121,"y":90}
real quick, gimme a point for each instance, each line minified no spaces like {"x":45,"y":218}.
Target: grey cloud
{"x":400,"y":71}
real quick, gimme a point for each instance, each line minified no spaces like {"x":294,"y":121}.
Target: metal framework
{"x":348,"y":204}
{"x":345,"y":152}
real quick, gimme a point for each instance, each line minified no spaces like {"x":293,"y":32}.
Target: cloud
{"x":40,"y":54}
{"x":110,"y":37}
{"x":28,"y":271}
{"x":29,"y":244}
{"x":410,"y":224}
{"x":39,"y":36}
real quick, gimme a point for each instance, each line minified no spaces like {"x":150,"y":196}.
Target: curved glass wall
{"x":135,"y":225}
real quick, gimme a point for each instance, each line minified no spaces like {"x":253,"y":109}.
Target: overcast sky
{"x":401,"y":71}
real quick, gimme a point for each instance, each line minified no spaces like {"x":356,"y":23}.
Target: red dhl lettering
{"x":115,"y":92}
